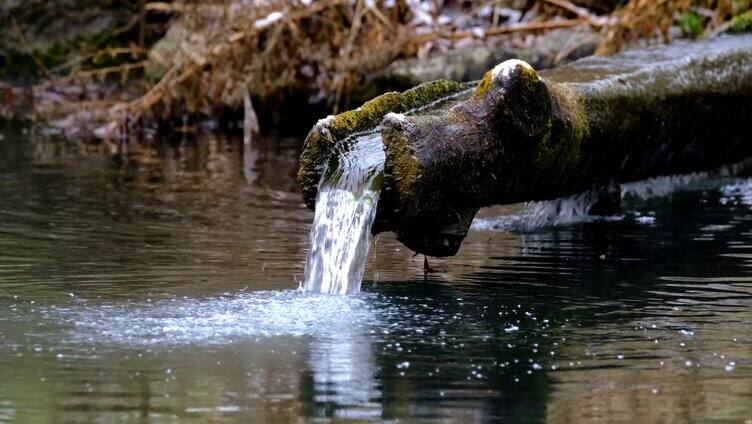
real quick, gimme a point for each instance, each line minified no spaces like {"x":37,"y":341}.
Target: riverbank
{"x":176,"y":67}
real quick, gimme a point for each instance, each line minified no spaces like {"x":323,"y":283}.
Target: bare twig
{"x":582,"y":13}
{"x":94,"y":57}
{"x":141,"y":23}
{"x":183,"y":7}
{"x":94,"y":73}
{"x":490,"y":32}
{"x":178,"y":74}
{"x":345,"y":63}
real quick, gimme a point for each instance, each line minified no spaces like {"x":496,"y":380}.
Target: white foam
{"x":563,"y":211}
{"x":573,"y":209}
{"x":661,"y":186}
{"x":218,"y":320}
{"x":737,"y":193}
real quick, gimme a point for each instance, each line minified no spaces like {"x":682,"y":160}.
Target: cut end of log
{"x":503,"y":72}
{"x":333,"y":129}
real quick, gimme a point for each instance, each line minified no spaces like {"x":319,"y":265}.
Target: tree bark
{"x":667,"y":110}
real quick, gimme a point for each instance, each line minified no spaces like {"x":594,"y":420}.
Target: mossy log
{"x":523,"y":136}
{"x":335,"y":128}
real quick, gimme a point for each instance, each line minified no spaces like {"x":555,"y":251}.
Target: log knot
{"x":517,"y":100}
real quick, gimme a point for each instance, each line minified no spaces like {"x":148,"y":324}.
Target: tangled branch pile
{"x":216,"y":54}
{"x":648,"y":19}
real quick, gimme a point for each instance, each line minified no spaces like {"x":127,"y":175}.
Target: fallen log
{"x":523,"y":136}
{"x":331,"y":130}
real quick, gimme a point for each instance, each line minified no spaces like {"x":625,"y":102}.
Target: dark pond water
{"x":158,"y":284}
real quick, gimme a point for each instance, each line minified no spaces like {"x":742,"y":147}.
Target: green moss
{"x":328,"y":132}
{"x":559,"y":152}
{"x":425,"y":94}
{"x":484,"y":85}
{"x":373,"y":111}
{"x":571,"y":105}
{"x":529,"y":73}
{"x":365,"y":117}
{"x":690,"y":23}
{"x":404,"y":168}
{"x":741,"y":23}
{"x":317,"y":146}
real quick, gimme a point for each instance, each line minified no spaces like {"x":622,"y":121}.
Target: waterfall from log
{"x":345,"y":209}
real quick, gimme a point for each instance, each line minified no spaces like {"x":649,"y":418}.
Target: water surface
{"x":158,"y":283}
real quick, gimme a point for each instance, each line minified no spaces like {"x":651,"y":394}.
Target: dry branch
{"x":582,"y":13}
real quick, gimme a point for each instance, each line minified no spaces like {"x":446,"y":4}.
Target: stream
{"x":160,"y":283}
{"x":345,"y":209}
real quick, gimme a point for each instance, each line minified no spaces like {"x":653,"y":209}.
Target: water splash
{"x":534,"y":215}
{"x":574,"y":209}
{"x":216,"y":320}
{"x":737,"y":193}
{"x":666,"y":185}
{"x":345,"y":210}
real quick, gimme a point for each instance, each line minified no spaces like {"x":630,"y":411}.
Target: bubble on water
{"x":224,"y":319}
{"x":645,"y":220}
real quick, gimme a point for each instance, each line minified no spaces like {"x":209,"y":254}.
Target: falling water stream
{"x":346,"y":207}
{"x":345,"y":210}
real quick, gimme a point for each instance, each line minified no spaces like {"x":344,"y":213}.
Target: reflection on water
{"x":157,"y":283}
{"x":218,"y":320}
{"x":343,"y":375}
